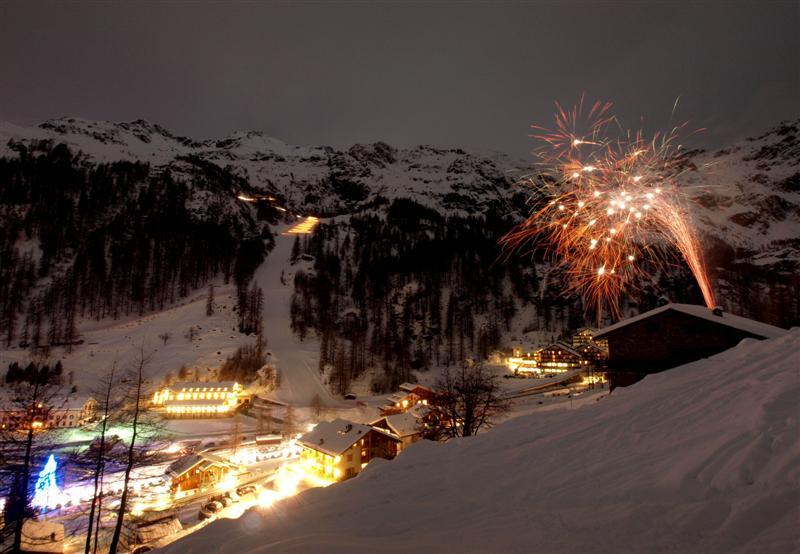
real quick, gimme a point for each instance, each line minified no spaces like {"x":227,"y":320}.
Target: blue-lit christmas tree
{"x":48,"y":495}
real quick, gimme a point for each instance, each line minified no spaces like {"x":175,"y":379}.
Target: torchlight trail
{"x":608,"y":208}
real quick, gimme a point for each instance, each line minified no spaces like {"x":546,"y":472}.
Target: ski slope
{"x":297,"y":361}
{"x":704,"y":458}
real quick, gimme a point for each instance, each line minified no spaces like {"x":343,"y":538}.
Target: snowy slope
{"x":120,"y":341}
{"x":748,"y":195}
{"x":309,"y":179}
{"x":702,"y":458}
{"x":297,"y":361}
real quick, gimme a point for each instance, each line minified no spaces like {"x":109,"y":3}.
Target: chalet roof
{"x":750,"y":326}
{"x":562,"y":346}
{"x":10,"y":402}
{"x":181,"y":385}
{"x":589,"y":345}
{"x":402,"y":425}
{"x":186,"y":463}
{"x":334,"y":437}
{"x":409,"y":387}
{"x":197,"y":402}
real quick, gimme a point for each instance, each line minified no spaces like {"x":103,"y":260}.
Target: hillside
{"x":109,"y":223}
{"x":702,"y":458}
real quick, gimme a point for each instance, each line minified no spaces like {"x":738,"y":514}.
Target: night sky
{"x":473,"y":75}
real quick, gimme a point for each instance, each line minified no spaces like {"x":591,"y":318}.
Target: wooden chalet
{"x":199,"y":472}
{"x":593,"y":354}
{"x":558,"y":358}
{"x":407,"y":427}
{"x":588,"y":335}
{"x":672,"y":335}
{"x":339,"y":449}
{"x":409,"y":395}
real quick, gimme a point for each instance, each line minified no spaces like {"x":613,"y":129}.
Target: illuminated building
{"x":194,"y":399}
{"x":410,"y":395}
{"x":558,"y":358}
{"x":586,"y":335}
{"x":593,"y":353}
{"x":59,"y":414}
{"x":199,"y":472}
{"x":522,"y":364}
{"x":672,"y":335}
{"x":338,"y":450}
{"x":407,"y":427}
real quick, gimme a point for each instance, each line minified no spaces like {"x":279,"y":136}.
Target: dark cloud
{"x":466,"y":74}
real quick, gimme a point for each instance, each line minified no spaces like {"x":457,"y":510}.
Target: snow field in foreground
{"x":702,"y":458}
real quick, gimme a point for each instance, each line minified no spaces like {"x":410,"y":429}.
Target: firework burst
{"x":609,"y":210}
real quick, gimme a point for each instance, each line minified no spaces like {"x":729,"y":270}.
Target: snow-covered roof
{"x":751,"y":326}
{"x":715,"y":434}
{"x":561,"y":346}
{"x":334,"y":437}
{"x":198,"y":402}
{"x":185,"y":385}
{"x":188,"y":462}
{"x":402,"y":425}
{"x":409,"y":387}
{"x":72,"y":403}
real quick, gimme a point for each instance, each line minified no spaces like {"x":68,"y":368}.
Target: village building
{"x":593,"y":354}
{"x":586,"y":335}
{"x":672,"y":335}
{"x":407,"y":426}
{"x":338,"y":450}
{"x":60,"y":414}
{"x":197,"y":399}
{"x":199,"y":472}
{"x":558,"y":358}
{"x":523,"y":364}
{"x":410,"y":395}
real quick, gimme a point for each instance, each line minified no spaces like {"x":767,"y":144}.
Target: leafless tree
{"x":316,"y":405}
{"x":210,"y":305}
{"x":32,"y":398}
{"x":289,"y":426}
{"x":468,"y":400}
{"x":107,"y":404}
{"x":145,"y":430}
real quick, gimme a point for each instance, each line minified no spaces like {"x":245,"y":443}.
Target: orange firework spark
{"x":612,"y":207}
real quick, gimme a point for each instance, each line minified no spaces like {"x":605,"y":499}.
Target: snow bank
{"x":702,"y":458}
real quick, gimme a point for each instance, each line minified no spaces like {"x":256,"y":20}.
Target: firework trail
{"x":610,"y":209}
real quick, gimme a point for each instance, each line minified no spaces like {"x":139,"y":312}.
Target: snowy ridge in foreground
{"x":702,"y":458}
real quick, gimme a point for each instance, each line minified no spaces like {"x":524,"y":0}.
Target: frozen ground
{"x":702,"y":458}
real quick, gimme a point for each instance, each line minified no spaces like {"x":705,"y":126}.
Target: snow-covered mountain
{"x":748,"y":195}
{"x":701,"y":458}
{"x":747,"y":207}
{"x":310,"y":179}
